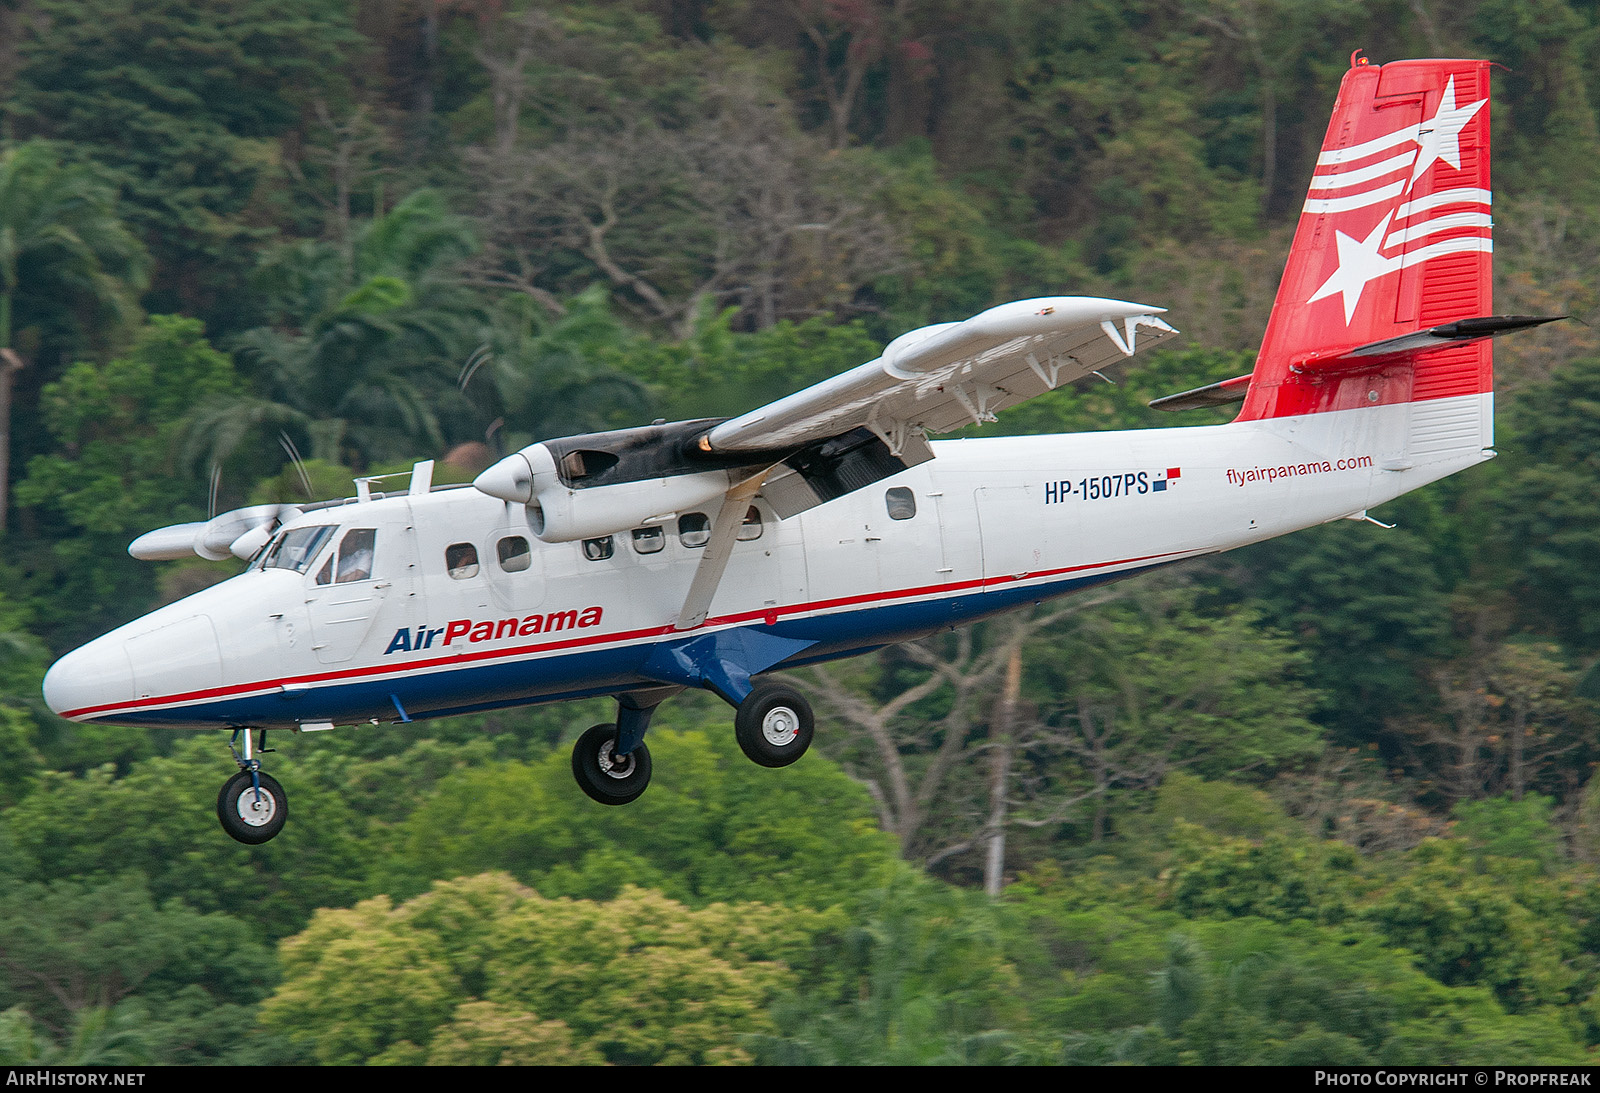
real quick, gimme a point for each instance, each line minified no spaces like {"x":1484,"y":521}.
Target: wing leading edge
{"x":942,"y":377}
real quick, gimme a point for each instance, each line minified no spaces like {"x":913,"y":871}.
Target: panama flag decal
{"x":1172,"y":475}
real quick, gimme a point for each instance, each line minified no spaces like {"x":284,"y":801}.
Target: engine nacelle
{"x":239,"y":533}
{"x":561,"y":509}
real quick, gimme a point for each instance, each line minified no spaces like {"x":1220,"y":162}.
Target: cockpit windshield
{"x":294,"y":549}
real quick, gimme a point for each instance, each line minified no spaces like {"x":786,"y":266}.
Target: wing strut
{"x":724,"y":530}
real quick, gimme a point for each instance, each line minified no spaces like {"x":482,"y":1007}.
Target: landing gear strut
{"x":252,"y":806}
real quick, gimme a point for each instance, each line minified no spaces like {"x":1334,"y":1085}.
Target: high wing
{"x":945,"y":376}
{"x":873,"y":421}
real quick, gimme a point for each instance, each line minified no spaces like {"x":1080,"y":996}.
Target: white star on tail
{"x":1440,"y":136}
{"x":1359,"y":262}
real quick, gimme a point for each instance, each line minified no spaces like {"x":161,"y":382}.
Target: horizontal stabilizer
{"x":1212,"y":394}
{"x":1460,"y":332}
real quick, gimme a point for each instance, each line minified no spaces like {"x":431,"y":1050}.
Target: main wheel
{"x":247,"y":816}
{"x":774,"y":725}
{"x":609,"y":778}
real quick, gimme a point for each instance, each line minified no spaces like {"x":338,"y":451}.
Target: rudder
{"x":1395,"y":238}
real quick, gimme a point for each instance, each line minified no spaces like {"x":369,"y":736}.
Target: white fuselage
{"x":997,"y":523}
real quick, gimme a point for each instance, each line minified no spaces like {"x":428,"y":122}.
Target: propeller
{"x":239,"y":533}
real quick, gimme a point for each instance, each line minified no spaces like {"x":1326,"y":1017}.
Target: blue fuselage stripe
{"x":589,"y":672}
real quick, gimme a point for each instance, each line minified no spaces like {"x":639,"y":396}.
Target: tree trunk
{"x":430,"y":53}
{"x":1002,"y":739}
{"x":1519,"y":728}
{"x":10,"y":364}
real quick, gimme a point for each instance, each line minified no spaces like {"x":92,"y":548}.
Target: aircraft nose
{"x":97,"y":675}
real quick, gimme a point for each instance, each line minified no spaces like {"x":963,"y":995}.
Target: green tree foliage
{"x":1368,"y":606}
{"x":69,"y":270}
{"x":1549,"y":513}
{"x":117,"y":426}
{"x":1125,"y":979}
{"x":711,"y":828}
{"x":181,"y":100}
{"x":484,"y":966}
{"x":98,"y":826}
{"x":719,"y":371}
{"x":110,"y":478}
{"x":546,"y":377}
{"x":99,"y":972}
{"x":360,"y":355}
{"x":1490,"y":928}
{"x":22,"y":663}
{"x":922,"y":979}
{"x":1153,"y":682}
{"x":1506,"y":828}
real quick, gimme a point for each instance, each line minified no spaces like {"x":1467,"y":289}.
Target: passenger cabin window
{"x":902,"y":503}
{"x":694,"y":529}
{"x":515,"y":556}
{"x":751,"y":528}
{"x":353,"y":560}
{"x":598,"y":550}
{"x":295,"y":549}
{"x":648,"y":540}
{"x":461,"y":561}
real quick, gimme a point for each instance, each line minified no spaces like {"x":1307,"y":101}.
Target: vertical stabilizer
{"x":1394,"y":237}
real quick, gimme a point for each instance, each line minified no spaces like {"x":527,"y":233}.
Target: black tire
{"x":774,"y":725}
{"x":605,"y":776}
{"x":246,"y":819}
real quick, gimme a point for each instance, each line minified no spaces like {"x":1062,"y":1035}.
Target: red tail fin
{"x":1394,"y":238}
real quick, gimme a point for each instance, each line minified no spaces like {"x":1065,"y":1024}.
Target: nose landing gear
{"x":252,"y":806}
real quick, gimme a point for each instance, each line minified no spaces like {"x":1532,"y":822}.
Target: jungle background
{"x":1326,"y":800}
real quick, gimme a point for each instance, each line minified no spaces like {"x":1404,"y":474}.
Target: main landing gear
{"x":252,"y":806}
{"x":773,"y":724}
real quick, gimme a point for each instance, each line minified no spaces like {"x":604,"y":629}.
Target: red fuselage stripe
{"x":928,"y":591}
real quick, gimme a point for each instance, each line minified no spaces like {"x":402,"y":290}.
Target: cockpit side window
{"x":461,"y":560}
{"x":353,"y":561}
{"x":295,"y":549}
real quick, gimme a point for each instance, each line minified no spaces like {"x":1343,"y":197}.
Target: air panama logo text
{"x":1385,"y":171}
{"x":406,"y":640}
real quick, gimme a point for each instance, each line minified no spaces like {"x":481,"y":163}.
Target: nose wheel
{"x":252,"y":806}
